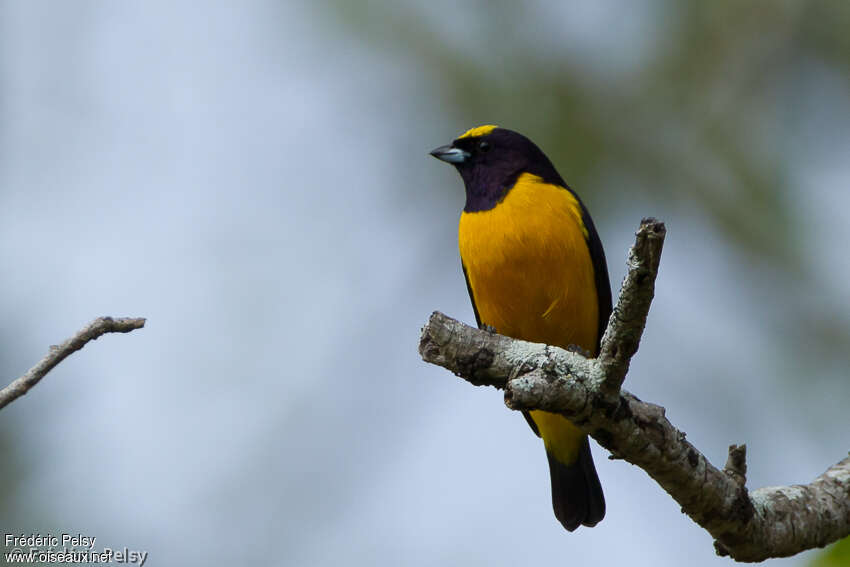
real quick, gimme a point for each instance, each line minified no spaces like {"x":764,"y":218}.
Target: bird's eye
{"x":483,"y":146}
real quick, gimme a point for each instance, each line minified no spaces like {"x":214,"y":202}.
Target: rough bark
{"x":747,"y":525}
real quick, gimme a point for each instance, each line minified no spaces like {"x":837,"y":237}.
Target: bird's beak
{"x":450,"y":154}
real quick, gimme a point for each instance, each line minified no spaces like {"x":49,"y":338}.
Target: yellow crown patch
{"x":478,"y":131}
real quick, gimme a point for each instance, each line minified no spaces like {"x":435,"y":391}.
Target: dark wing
{"x":471,"y":297}
{"x":525,"y":414}
{"x":600,"y":273}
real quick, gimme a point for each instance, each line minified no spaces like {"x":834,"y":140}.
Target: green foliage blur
{"x":719,"y":89}
{"x":837,"y":555}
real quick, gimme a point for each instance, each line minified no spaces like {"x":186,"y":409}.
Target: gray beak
{"x":450,"y":154}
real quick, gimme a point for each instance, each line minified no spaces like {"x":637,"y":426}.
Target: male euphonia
{"x":535,"y":270}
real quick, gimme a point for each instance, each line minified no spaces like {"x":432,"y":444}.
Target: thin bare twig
{"x":57,"y":354}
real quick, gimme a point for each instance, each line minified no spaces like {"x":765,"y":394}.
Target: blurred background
{"x":253,"y":178}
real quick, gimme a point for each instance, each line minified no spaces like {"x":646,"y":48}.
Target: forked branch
{"x":747,"y":525}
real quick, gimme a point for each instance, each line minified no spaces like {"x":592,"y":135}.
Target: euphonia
{"x":535,"y":270}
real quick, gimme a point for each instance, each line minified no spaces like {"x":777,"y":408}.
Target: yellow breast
{"x":529,"y":266}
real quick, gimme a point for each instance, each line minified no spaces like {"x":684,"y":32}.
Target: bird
{"x":535,"y":270}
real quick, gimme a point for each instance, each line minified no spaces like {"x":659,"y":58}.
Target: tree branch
{"x":748,"y":526}
{"x":625,"y":325}
{"x":57,"y":354}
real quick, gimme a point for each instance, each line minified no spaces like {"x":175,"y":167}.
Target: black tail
{"x":576,"y":493}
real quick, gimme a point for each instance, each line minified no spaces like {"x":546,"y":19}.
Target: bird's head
{"x":490,"y":159}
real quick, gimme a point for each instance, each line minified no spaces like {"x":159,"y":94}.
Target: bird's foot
{"x":578,"y":350}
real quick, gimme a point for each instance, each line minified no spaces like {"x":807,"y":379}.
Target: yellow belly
{"x":532,"y":278}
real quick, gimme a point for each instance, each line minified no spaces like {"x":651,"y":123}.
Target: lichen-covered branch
{"x":625,"y":326}
{"x":748,"y":526}
{"x":57,"y":354}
